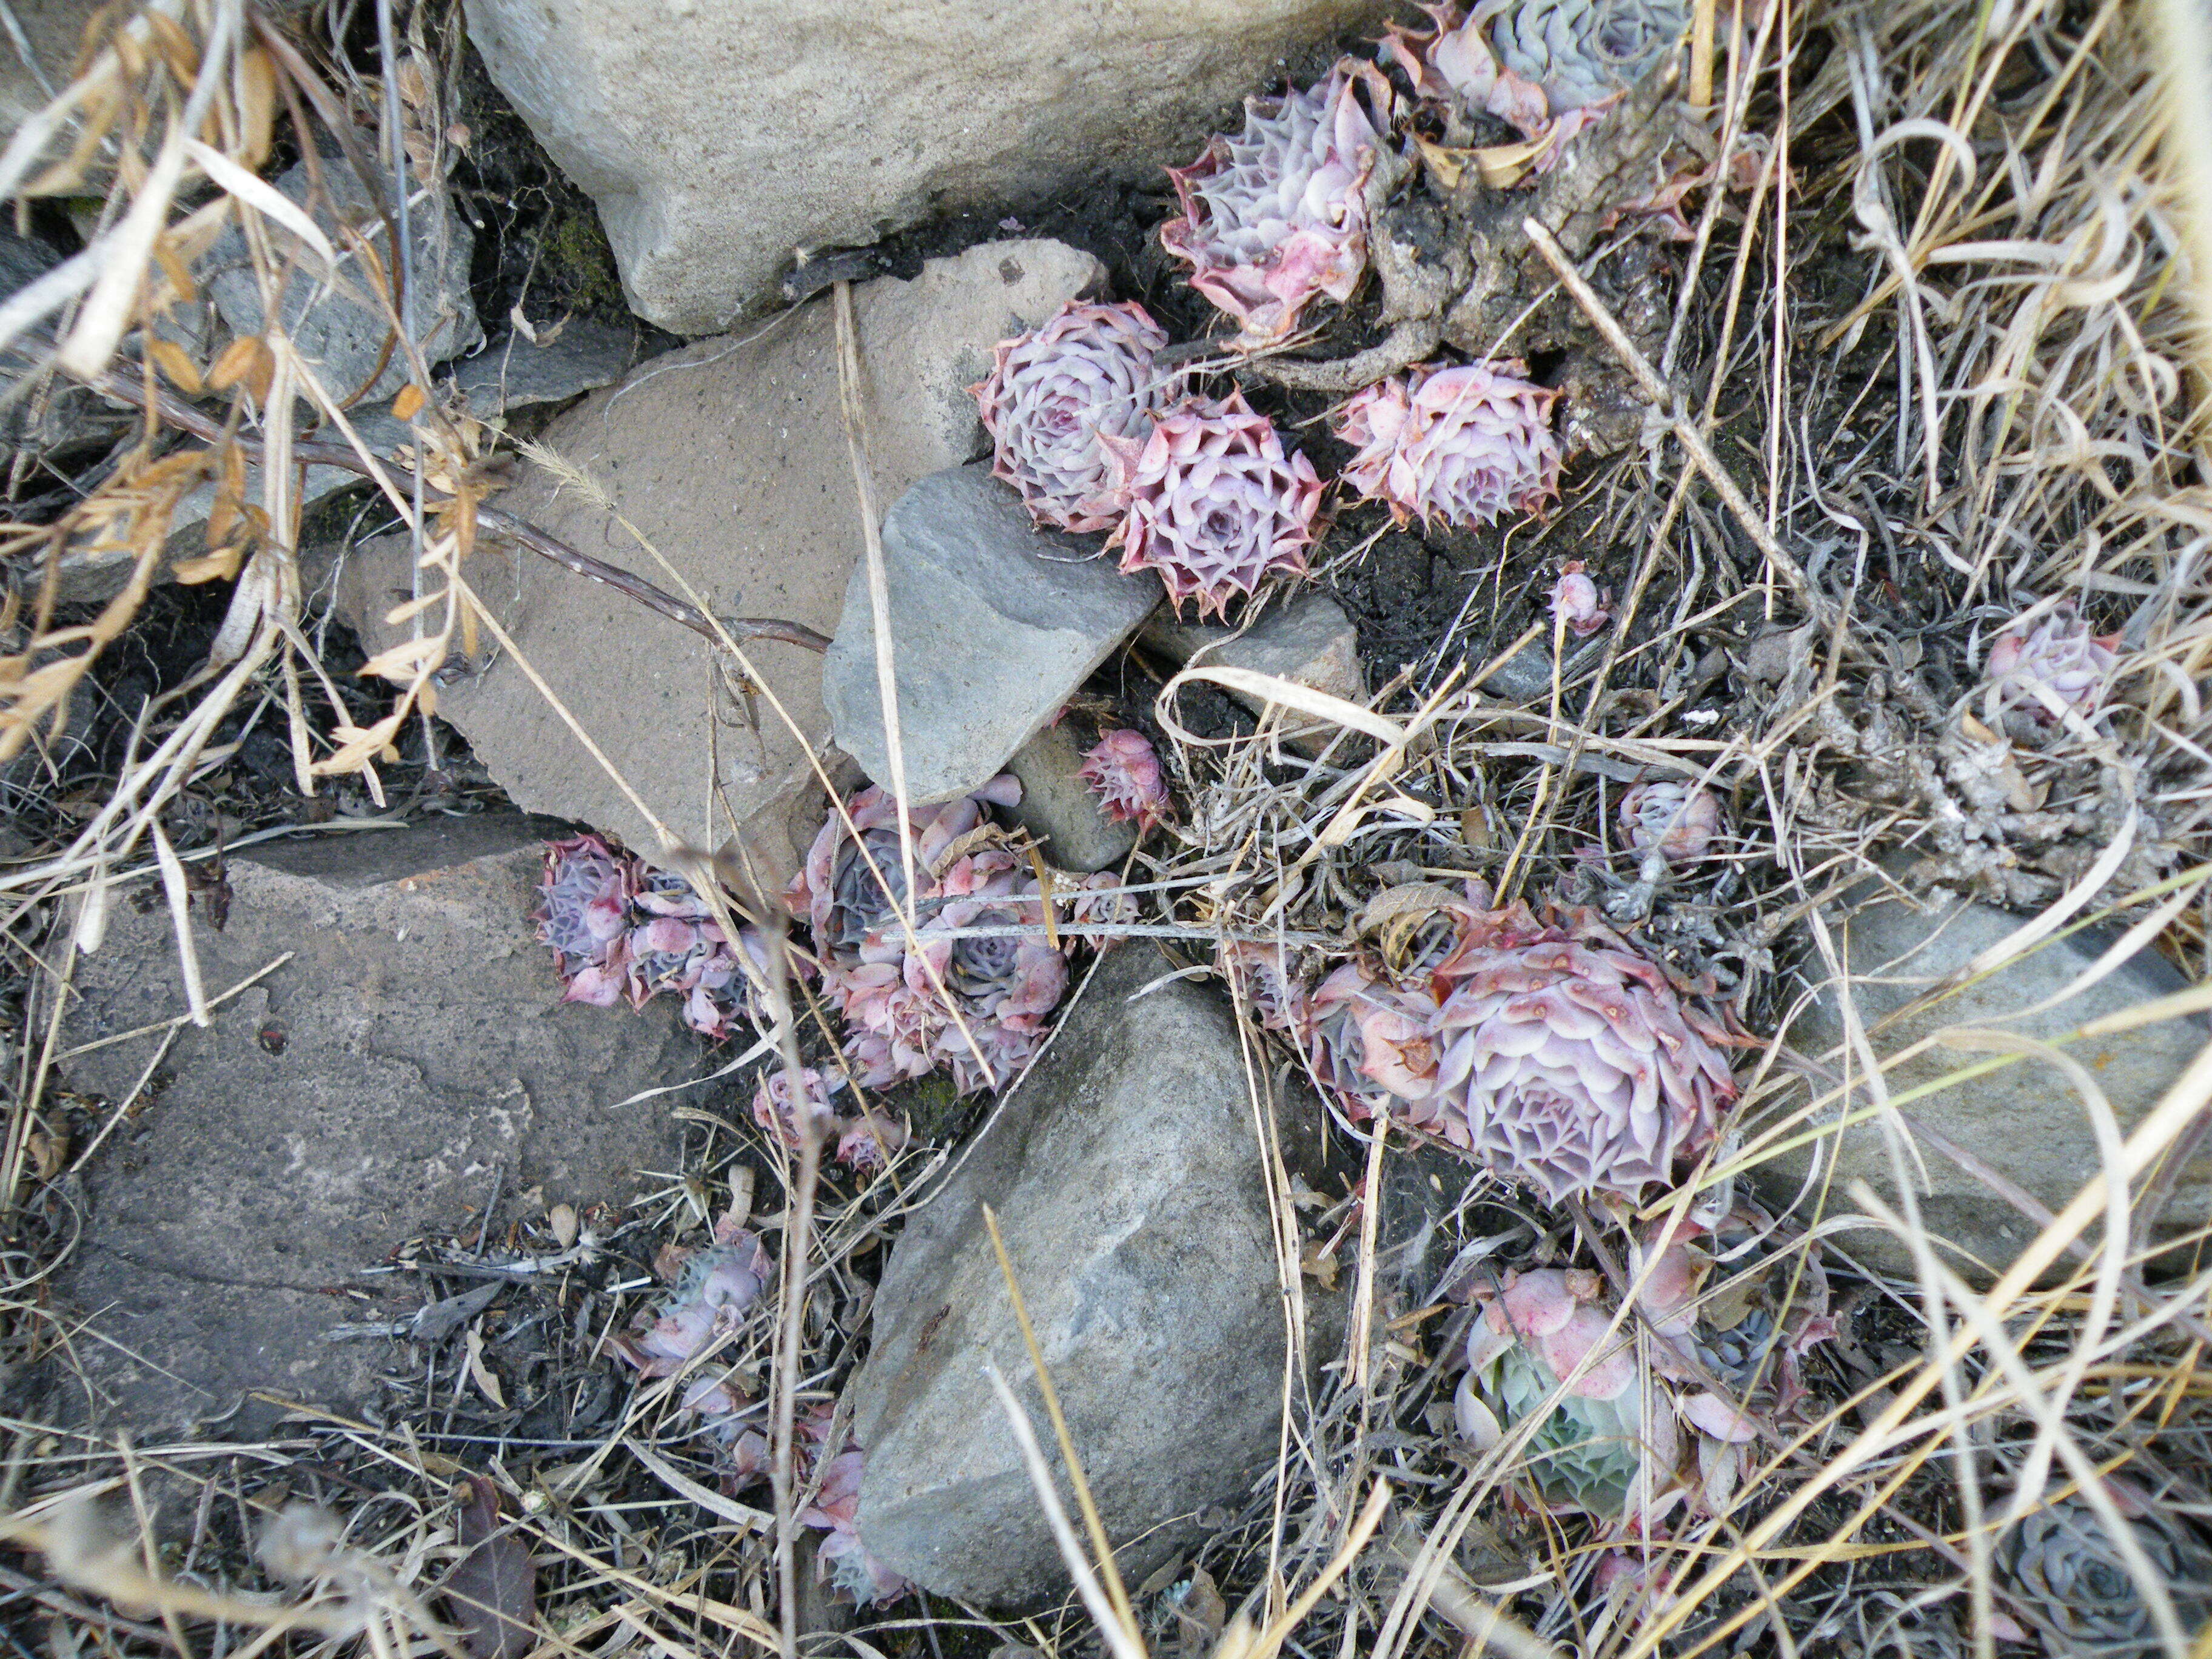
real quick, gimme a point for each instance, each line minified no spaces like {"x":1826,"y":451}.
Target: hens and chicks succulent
{"x":712,"y":1307}
{"x":1097,"y":430}
{"x":1547,"y":1049}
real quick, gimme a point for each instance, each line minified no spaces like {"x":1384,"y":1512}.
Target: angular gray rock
{"x":729,"y":455}
{"x":1060,"y":810}
{"x":994,"y":624}
{"x":1125,"y":1176}
{"x":717,"y":136}
{"x":413,"y":1056}
{"x":1309,"y":642}
{"x":336,"y":325}
{"x":2023,"y":1121}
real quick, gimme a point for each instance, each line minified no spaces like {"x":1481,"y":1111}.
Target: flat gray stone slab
{"x":412,"y":1055}
{"x":729,"y":455}
{"x":1125,"y":1176}
{"x":994,"y":624}
{"x":2023,"y":1120}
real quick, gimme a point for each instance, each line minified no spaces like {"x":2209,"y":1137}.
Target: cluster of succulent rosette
{"x":952,"y":966}
{"x":620,"y":931}
{"x":1097,"y":429}
{"x":714,"y":1301}
{"x":1548,"y":1049}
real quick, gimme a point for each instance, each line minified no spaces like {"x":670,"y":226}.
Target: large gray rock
{"x":731,"y":456}
{"x":994,"y":624}
{"x":413,"y":1058}
{"x":337,"y":326}
{"x":1309,"y":642}
{"x":2023,"y":1120}
{"x":1127,"y":1181}
{"x":718,"y":136}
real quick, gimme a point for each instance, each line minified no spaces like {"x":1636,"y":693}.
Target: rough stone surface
{"x":2023,"y":1120}
{"x":412,"y":1056}
{"x":1309,"y":642}
{"x":514,"y":372}
{"x":719,"y":135}
{"x":1063,"y":812}
{"x":994,"y":623}
{"x":337,"y":326}
{"x":731,"y":456}
{"x":1127,"y":1181}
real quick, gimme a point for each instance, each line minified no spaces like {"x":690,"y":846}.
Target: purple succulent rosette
{"x":716,"y":1291}
{"x":1550,"y":67}
{"x":1215,"y":504}
{"x":620,"y":931}
{"x":1678,"y":819}
{"x":1462,"y":444}
{"x":2043,"y":669}
{"x":1548,"y":1049}
{"x":1051,"y":392}
{"x":1124,"y":772}
{"x":970,"y":988}
{"x":1277,"y":215}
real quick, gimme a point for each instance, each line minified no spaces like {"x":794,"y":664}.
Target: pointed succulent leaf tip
{"x":1550,"y":67}
{"x":1278,"y":215}
{"x":1679,"y":819}
{"x":1124,"y":773}
{"x":1053,"y":392}
{"x":1458,"y":444}
{"x":1215,"y":504}
{"x":1577,"y":601}
{"x":1548,"y":1049}
{"x":2038,"y":669}
{"x":2064,"y":1564}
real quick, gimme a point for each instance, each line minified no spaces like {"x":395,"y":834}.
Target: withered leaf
{"x":491,"y":1595}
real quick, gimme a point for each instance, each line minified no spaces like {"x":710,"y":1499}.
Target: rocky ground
{"x":1525,"y":970}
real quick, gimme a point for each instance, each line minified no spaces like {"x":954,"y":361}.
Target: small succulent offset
{"x":715,"y":1289}
{"x":2054,"y":666}
{"x":1551,"y":67}
{"x":2063,"y":1562}
{"x":1461,"y":444}
{"x":865,"y":1142}
{"x":1051,"y":393}
{"x":619,"y":930}
{"x":1679,"y":820}
{"x":1215,"y":504}
{"x":1548,"y":1049}
{"x":1124,"y":773}
{"x":1577,"y":601}
{"x":843,"y":1560}
{"x":1278,"y":215}
{"x":1606,"y":1446}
